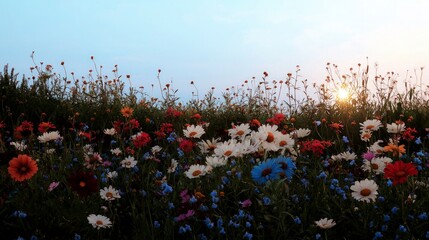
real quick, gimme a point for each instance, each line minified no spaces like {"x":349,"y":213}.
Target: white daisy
{"x":348,"y":156}
{"x":376,"y":165}
{"x":99,"y":221}
{"x":50,"y":151}
{"x":325,"y":223}
{"x":248,"y":146}
{"x":193,"y":131}
{"x":365,"y":190}
{"x":267,"y":135}
{"x":227,"y":149}
{"x":208,"y":145}
{"x":49,"y":136}
{"x":128,"y":162}
{"x":376,"y":148}
{"x":216,"y":161}
{"x":284,"y":141}
{"x":301,"y":133}
{"x":173,"y":166}
{"x":109,"y":193}
{"x":156,"y":149}
{"x":365,"y":136}
{"x":395,"y":128}
{"x":195,"y":171}
{"x":88,"y":149}
{"x":112,"y":174}
{"x":370,"y":125}
{"x":20,"y":146}
{"x":116,"y":151}
{"x":239,"y":131}
{"x":110,"y":131}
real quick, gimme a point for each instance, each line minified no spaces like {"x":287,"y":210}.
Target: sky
{"x":218,"y":43}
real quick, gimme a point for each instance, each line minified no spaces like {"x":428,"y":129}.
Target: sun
{"x":343,"y":94}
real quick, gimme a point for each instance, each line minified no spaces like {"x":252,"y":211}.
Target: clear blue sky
{"x":214,"y":43}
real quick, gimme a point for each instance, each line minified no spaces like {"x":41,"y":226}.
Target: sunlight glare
{"x":342,"y":94}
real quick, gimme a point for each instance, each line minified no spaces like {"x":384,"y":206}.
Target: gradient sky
{"x":214,"y":43}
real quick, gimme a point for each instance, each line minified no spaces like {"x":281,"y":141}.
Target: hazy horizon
{"x":215,"y":44}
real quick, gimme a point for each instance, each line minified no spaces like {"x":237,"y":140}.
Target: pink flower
{"x":246,"y":203}
{"x":53,"y":185}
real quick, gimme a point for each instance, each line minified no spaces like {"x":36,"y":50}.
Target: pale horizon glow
{"x":215,"y":43}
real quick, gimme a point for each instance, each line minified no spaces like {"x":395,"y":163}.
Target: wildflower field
{"x":94,"y":158}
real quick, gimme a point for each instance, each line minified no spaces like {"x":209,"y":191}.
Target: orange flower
{"x":22,"y":168}
{"x":396,"y":150}
{"x":127,"y":112}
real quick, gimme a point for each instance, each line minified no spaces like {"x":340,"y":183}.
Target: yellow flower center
{"x":227,"y":153}
{"x":196,"y":173}
{"x":241,"y":132}
{"x":365,"y":192}
{"x":270,"y":137}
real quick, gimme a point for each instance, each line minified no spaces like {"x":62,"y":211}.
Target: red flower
{"x":171,"y":112}
{"x":408,"y":134}
{"x":336,"y":127}
{"x":315,"y":146}
{"x":167,"y":128}
{"x":186,"y":145}
{"x":254,"y":123}
{"x":277,"y":119}
{"x":22,"y":168}
{"x":83,"y":183}
{"x":45,"y":126}
{"x":399,"y":171}
{"x":141,"y":139}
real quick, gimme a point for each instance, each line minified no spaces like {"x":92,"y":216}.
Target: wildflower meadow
{"x":94,"y":158}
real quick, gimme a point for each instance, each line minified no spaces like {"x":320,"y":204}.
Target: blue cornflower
{"x":19,"y":214}
{"x":287,"y":165}
{"x":247,"y":235}
{"x":192,"y":200}
{"x":389,"y":183}
{"x":418,"y":141}
{"x":266,"y":171}
{"x":248,"y":224}
{"x":378,"y":235}
{"x":317,"y":236}
{"x":402,"y":228}
{"x":202,"y":236}
{"x":33,"y":237}
{"x":170,"y":205}
{"x":395,"y":210}
{"x":345,"y":139}
{"x":267,"y":201}
{"x":384,"y":228}
{"x":172,"y":137}
{"x":209,"y":224}
{"x":322,"y":175}
{"x":166,"y":189}
{"x":156,"y":224}
{"x":203,"y":208}
{"x":423,"y":216}
{"x":297,"y":220}
{"x":77,"y":236}
{"x":182,"y":230}
{"x":180,"y":152}
{"x":305,"y":183}
{"x":386,"y":218}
